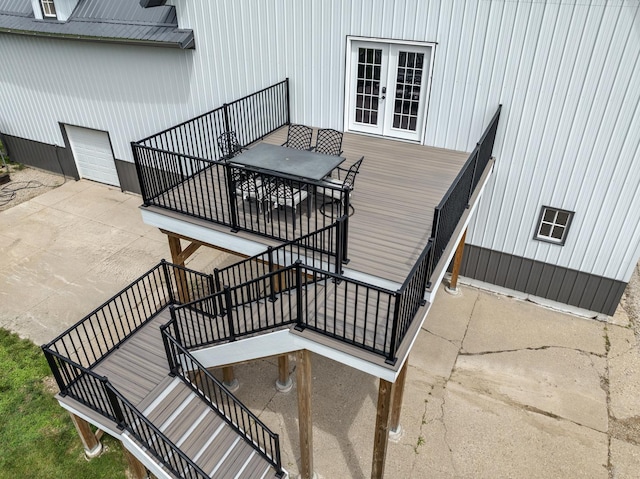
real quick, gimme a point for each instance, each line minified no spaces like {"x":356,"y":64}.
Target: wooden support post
{"x":229,"y":380}
{"x":284,"y":382}
{"x":92,"y":447}
{"x":395,"y":430}
{"x":457,"y":261}
{"x":177,"y":258}
{"x":136,"y":468}
{"x":303,"y":378}
{"x":381,"y":438}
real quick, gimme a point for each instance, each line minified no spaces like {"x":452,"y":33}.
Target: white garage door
{"x":92,"y":151}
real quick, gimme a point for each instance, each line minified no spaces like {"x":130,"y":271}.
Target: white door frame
{"x":350,"y":85}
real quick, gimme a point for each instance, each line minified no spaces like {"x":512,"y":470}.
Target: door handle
{"x":384,"y":92}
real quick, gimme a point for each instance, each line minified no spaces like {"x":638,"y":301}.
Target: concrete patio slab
{"x":496,"y":387}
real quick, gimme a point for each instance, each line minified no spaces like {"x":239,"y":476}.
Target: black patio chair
{"x":345,"y":187}
{"x":329,"y":142}
{"x":229,"y":145}
{"x":299,"y":137}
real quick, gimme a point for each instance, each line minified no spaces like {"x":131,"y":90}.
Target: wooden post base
{"x":229,"y":380}
{"x":284,"y":384}
{"x":92,"y":447}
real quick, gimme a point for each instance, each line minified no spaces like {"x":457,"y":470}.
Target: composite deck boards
{"x":396,"y":190}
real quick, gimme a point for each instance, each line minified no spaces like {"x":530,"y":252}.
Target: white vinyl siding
{"x":566,"y":72}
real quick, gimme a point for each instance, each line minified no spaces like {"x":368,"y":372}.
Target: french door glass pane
{"x":408,"y":85}
{"x":368,"y":85}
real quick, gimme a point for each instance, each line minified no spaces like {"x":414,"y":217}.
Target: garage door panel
{"x":92,"y":152}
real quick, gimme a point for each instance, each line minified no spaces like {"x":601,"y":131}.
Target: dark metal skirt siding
{"x":549,"y":281}
{"x":41,"y":155}
{"x":128,"y":176}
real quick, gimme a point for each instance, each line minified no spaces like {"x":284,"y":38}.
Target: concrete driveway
{"x":497,"y":387}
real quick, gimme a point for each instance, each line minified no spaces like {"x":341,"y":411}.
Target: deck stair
{"x":202,"y":435}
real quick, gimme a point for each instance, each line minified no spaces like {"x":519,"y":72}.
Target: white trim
{"x":144,"y":458}
{"x":227,"y":241}
{"x":348,"y":82}
{"x":282,"y":342}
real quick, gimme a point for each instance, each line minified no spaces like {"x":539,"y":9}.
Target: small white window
{"x":48,"y":8}
{"x":553,"y":225}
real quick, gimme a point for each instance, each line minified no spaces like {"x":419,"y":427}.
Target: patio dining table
{"x":303,"y":164}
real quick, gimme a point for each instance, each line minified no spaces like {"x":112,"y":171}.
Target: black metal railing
{"x":183,"y":169}
{"x":219,"y":399}
{"x":87,"y":342}
{"x":328,"y":303}
{"x":322,"y":249}
{"x":452,"y":206}
{"x":251,"y":118}
{"x":97,"y":393}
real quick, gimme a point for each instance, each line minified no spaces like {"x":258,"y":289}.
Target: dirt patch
{"x":25,"y":183}
{"x":626,"y":430}
{"x":50,"y":385}
{"x":630,"y":302}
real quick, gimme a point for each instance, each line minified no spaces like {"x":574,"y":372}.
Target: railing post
{"x":345,"y":229}
{"x":278,"y":458}
{"x":218,"y":289}
{"x":391,"y":356}
{"x":429,"y":262}
{"x":272,"y":280}
{"x":300,"y":324}
{"x":113,"y":401}
{"x":473,"y":176}
{"x":231,"y":197}
{"x":339,"y":244}
{"x":56,"y":372}
{"x":288,"y":103}
{"x":167,"y":278}
{"x":141,"y":181}
{"x":229,"y":312}
{"x":168,"y":349}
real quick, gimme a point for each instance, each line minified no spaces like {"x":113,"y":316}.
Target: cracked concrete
{"x":496,"y":387}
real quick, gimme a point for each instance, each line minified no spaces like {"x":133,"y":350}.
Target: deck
{"x":398,"y":186}
{"x":139,"y":370}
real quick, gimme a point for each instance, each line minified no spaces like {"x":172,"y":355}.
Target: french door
{"x":388,"y":89}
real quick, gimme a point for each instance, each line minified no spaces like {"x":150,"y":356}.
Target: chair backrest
{"x":299,"y":137}
{"x":329,"y":142}
{"x":228,"y":144}
{"x":350,"y":178}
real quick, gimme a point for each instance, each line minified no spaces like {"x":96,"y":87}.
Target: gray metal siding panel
{"x":548,"y":281}
{"x":128,"y":176}
{"x":41,"y":155}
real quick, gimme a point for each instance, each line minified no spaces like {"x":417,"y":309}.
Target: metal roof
{"x":121,"y":21}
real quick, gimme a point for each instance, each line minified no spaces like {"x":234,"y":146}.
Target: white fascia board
{"x":114,"y":433}
{"x":283,"y":342}
{"x":140,"y":454}
{"x":227,"y":241}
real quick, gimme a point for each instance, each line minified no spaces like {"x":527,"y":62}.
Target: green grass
{"x":37,"y":437}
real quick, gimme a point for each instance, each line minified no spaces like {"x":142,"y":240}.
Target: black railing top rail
{"x":494,"y":119}
{"x":229,"y":401}
{"x":106,"y":303}
{"x":175,"y":449}
{"x":416,"y":266}
{"x":119,"y":419}
{"x":210,"y":112}
{"x":298,"y":242}
{"x":470,"y":160}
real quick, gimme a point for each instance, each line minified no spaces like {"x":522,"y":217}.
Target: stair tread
{"x":234,"y":461}
{"x":168,"y":405}
{"x":155,"y":392}
{"x":192,"y":444}
{"x":217,"y":449}
{"x":256,"y":468}
{"x":176,"y":430}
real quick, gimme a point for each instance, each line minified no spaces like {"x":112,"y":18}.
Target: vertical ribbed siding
{"x":566,"y":72}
